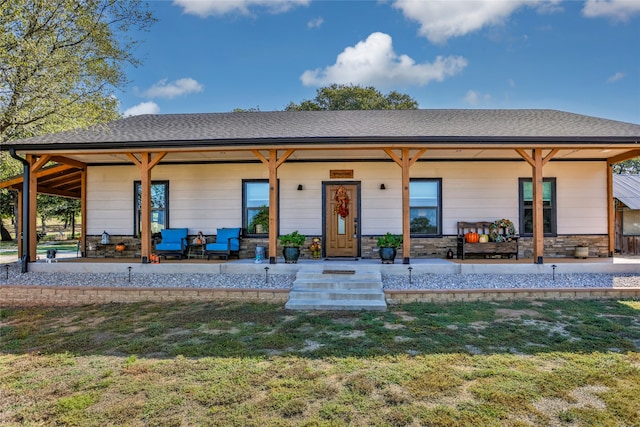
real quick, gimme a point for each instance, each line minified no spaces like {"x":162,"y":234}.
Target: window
{"x":425,"y":206}
{"x":631,"y":223}
{"x":159,"y":206}
{"x":255,"y":200}
{"x":548,"y":206}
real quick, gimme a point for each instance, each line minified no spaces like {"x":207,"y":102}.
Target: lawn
{"x":538,"y":363}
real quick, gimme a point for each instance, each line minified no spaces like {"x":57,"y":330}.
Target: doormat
{"x":346,"y":258}
{"x":338,"y":272}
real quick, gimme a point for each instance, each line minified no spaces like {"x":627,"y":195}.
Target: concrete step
{"x":337,"y":290}
{"x":336,"y":305}
{"x":333,"y":295}
{"x":339,"y":285}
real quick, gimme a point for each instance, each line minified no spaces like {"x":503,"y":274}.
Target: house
{"x":626,"y":192}
{"x":344,"y":176}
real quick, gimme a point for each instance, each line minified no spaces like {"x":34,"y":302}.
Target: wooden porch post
{"x":19,"y":223}
{"x":145,"y":164}
{"x":83,"y":211}
{"x":537,"y":161}
{"x":36,"y":165}
{"x":611,"y":213}
{"x":405,"y":161}
{"x":273,"y":163}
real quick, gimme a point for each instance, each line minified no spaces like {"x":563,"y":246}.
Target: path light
{"x":554,"y":272}
{"x":266,"y":275}
{"x":410,"y":268}
{"x":129,"y":268}
{"x":6,"y":269}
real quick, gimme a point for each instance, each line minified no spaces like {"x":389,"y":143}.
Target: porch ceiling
{"x":349,"y":154}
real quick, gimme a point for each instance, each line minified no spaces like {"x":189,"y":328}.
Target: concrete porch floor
{"x":617,"y":264}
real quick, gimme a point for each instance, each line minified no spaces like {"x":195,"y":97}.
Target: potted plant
{"x":388,"y":244}
{"x":292,"y":243}
{"x":260,"y":222}
{"x":582,"y":251}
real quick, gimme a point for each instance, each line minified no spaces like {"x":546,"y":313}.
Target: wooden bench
{"x":504,"y":248}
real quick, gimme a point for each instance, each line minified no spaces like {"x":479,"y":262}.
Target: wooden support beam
{"x":624,"y":156}
{"x":273,"y":163}
{"x":405,"y":161}
{"x":33,"y":205}
{"x":69,"y":162}
{"x":39,"y":163}
{"x":538,"y":219}
{"x":83,"y":212}
{"x":145,"y":163}
{"x":611,"y":213}
{"x":145,"y":223}
{"x":406,"y":217}
{"x":19,"y":224}
{"x":273,"y":206}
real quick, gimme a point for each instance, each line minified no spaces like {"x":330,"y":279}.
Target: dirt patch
{"x":394,"y":326}
{"x":582,"y":397}
{"x":506,"y":313}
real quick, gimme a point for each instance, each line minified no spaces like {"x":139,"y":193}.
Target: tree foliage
{"x":60,"y":61}
{"x":353,"y":97}
{"x":631,"y":166}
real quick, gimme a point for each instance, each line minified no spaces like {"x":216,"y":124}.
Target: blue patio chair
{"x":227,"y":243}
{"x":174,"y":242}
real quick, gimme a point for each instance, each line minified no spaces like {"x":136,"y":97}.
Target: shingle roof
{"x":371,"y":125}
{"x":626,"y":188}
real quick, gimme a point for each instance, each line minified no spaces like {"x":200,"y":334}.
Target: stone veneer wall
{"x":421,"y":247}
{"x":19,"y":295}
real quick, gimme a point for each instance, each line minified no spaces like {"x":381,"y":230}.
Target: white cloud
{"x":374,"y":62}
{"x":616,"y":10}
{"x":204,"y":8}
{"x":442,"y":20}
{"x":474,"y":98}
{"x":165,"y":89}
{"x":142,"y":108}
{"x":315,"y":23}
{"x":617,"y":76}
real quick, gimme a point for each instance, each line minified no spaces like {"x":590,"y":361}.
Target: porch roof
{"x":626,"y":188}
{"x":373,"y":127}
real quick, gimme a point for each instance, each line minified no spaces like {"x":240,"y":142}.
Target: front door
{"x":341,"y":211}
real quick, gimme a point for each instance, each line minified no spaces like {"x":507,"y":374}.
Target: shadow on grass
{"x":260,"y":330}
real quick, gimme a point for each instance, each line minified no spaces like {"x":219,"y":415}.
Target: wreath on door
{"x":342,"y":202}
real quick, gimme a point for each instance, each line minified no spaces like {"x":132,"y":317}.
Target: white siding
{"x":205,"y":197}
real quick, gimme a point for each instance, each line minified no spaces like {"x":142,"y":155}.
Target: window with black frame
{"x":425,"y":206}
{"x":159,"y":206}
{"x":548,"y":206}
{"x":255,"y":201}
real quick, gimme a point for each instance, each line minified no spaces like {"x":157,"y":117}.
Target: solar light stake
{"x":266,"y":275}
{"x":129,"y":268}
{"x":6,"y":269}
{"x":554,"y":272}
{"x":410,"y":268}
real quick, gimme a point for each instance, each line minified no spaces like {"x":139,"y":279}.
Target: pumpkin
{"x":484,"y":238}
{"x":471,"y":237}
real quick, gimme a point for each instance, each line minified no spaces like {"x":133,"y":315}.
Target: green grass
{"x":11,"y":248}
{"x":567,"y":363}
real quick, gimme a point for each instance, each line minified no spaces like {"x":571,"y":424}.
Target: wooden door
{"x":342,"y":231}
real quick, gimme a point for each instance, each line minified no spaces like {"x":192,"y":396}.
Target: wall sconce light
{"x":300,"y":187}
{"x":382,"y":187}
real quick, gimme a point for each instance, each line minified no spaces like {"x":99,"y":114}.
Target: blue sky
{"x":214,"y":56}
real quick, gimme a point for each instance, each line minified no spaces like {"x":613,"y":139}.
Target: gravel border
{"x":285,"y":281}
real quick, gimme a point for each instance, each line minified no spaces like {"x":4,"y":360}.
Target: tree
{"x":352,"y":97}
{"x":631,"y":166}
{"x":60,"y":61}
